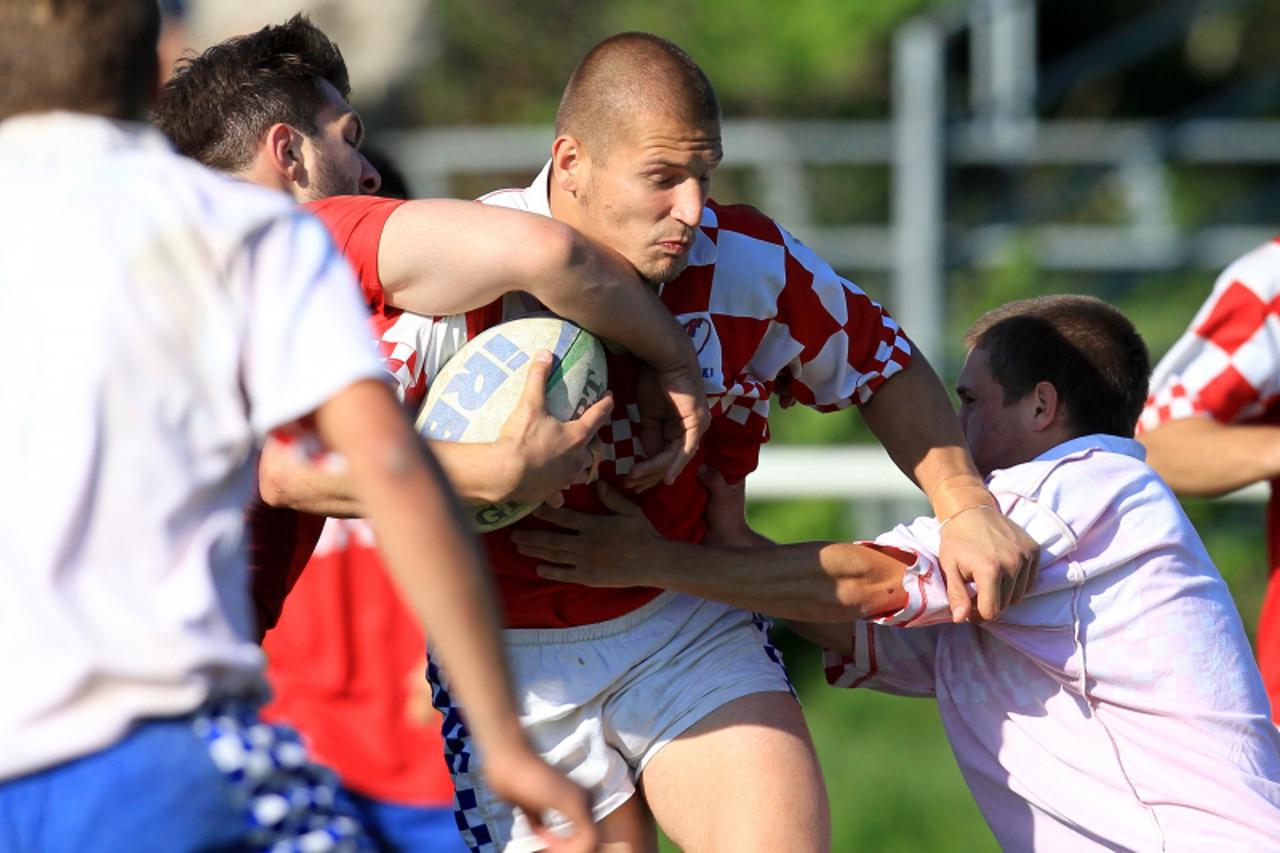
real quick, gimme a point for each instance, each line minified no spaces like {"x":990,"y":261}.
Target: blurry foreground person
{"x":195,"y":316}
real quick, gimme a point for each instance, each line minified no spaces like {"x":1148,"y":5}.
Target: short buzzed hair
{"x":218,"y":106}
{"x":1087,"y":349}
{"x":627,"y":75}
{"x":86,"y":56}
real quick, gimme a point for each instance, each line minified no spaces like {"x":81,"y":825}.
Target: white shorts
{"x":599,"y":701}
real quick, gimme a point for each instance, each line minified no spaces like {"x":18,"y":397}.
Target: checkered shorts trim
{"x":290,"y":804}
{"x":466,"y":812}
{"x":764,"y":625}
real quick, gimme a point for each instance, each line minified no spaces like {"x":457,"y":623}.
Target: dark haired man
{"x":687,"y":696}
{"x":196,"y":315}
{"x":1117,"y":706}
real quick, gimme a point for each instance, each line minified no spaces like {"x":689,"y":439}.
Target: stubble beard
{"x":328,"y":181}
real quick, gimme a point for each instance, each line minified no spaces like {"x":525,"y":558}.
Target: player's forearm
{"x":814,"y":581}
{"x":1199,"y":456}
{"x":433,"y":562}
{"x":478,"y":473}
{"x":285,"y":480}
{"x":912,"y":417}
{"x":428,"y":268}
{"x":600,"y":291}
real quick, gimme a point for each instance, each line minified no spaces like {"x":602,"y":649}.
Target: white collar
{"x":1095,"y":441}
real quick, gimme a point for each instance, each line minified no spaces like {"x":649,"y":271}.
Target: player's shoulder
{"x":1095,"y":469}
{"x":219,"y":201}
{"x":1258,"y":270}
{"x":511,"y":197}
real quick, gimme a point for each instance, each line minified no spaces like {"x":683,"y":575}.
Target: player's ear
{"x":283,"y":149}
{"x":568,"y":163}
{"x":1047,"y":406}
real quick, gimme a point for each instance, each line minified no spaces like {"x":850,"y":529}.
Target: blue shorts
{"x":218,"y":779}
{"x":398,"y":828}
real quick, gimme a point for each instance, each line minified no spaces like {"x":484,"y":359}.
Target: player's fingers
{"x":547,"y":554}
{"x":1020,"y":583}
{"x":534,"y":394}
{"x":1008,"y":587}
{"x":615,"y":501}
{"x":957,"y":593}
{"x":558,"y":573}
{"x":584,"y":463}
{"x":688,"y":447}
{"x":555,"y":500}
{"x":651,"y":471}
{"x":569,"y":839}
{"x":566,"y":518}
{"x":597,"y":415}
{"x":1033,"y":571}
{"x":580,"y":836}
{"x":990,"y":594}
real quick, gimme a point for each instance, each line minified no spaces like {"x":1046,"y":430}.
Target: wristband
{"x":951,"y":517}
{"x":976,"y":482}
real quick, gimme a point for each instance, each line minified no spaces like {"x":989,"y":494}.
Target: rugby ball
{"x":478,"y":388}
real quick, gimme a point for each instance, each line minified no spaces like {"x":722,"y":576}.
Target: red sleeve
{"x":355,"y":223}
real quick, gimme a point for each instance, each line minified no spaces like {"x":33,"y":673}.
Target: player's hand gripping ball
{"x":478,"y":389}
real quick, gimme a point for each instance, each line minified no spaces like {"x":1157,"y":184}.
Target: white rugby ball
{"x":478,"y":388}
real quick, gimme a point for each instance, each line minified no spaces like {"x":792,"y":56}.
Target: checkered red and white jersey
{"x":1227,"y":365}
{"x":766,"y":315}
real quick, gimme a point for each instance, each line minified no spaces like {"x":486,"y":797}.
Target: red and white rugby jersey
{"x":766,"y":315}
{"x":1227,"y":366}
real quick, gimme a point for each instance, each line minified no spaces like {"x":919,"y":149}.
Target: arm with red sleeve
{"x":1211,"y":424}
{"x":535,"y":457}
{"x":444,"y":256}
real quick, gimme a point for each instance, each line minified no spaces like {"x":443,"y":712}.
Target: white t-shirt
{"x":156,"y":321}
{"x":1118,"y":705}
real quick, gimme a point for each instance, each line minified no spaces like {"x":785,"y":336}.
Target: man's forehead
{"x":335,"y":106}
{"x":709,"y":150}
{"x":976,"y":369}
{"x":658,"y":139}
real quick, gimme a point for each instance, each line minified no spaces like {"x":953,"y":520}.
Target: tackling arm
{"x":816,"y":581}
